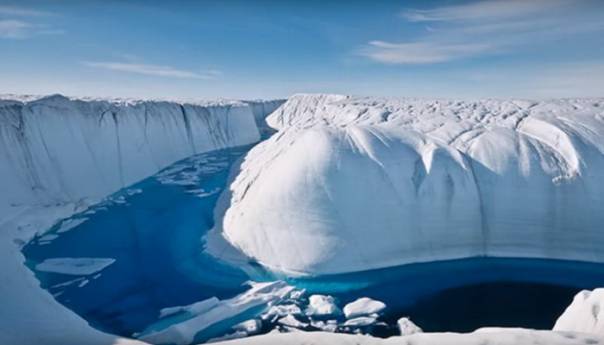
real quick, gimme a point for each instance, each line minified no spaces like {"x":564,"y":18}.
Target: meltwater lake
{"x":148,"y":238}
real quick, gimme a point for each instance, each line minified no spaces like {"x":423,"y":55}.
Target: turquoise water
{"x":153,"y":230}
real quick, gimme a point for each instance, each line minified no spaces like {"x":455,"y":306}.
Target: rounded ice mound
{"x":350,"y":184}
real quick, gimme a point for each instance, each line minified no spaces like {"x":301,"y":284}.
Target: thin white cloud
{"x":20,"y":29}
{"x":484,"y":27}
{"x":485,"y":10}
{"x":153,"y":70}
{"x":420,"y":52}
{"x":11,"y":28}
{"x":21,"y":11}
{"x":20,"y":23}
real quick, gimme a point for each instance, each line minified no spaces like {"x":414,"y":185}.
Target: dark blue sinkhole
{"x":153,"y":230}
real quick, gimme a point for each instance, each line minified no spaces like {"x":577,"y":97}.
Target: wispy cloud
{"x":21,"y":23}
{"x":153,"y":70}
{"x":420,"y":52}
{"x":11,"y":28}
{"x":20,"y":29}
{"x":484,"y":10}
{"x":21,"y":11}
{"x":460,"y":31}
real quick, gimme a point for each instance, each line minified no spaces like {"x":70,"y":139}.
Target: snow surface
{"x":407,"y":327}
{"x":585,"y":314}
{"x":366,"y":183}
{"x":59,"y":155}
{"x":491,"y":336}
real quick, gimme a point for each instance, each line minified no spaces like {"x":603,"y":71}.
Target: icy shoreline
{"x":30,"y":315}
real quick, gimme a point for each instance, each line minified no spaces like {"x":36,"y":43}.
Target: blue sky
{"x":269,"y":49}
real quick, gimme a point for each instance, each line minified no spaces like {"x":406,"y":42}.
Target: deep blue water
{"x":154,"y":228}
{"x":465,"y":294}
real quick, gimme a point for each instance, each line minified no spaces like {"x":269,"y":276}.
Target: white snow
{"x":349,"y":184}
{"x":585,"y":314}
{"x":363,"y":306}
{"x":321,"y":305}
{"x":407,"y":327}
{"x":500,"y":336}
{"x":74,"y":266}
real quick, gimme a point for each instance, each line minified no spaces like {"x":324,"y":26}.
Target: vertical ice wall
{"x":55,"y":149}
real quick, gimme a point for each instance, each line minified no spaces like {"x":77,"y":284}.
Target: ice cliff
{"x":57,"y":150}
{"x":59,"y":154}
{"x":350,"y":184}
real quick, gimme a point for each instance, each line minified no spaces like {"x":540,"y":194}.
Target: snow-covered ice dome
{"x":350,"y":184}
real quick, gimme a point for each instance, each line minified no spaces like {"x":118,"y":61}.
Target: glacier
{"x":342,"y":186}
{"x":367,"y":183}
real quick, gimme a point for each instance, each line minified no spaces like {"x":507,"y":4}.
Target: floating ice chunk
{"x":195,"y":308}
{"x":222,"y":314}
{"x":297,"y":294}
{"x":407,"y":327}
{"x":362,"y":321}
{"x":291,"y":321}
{"x":282,"y":310}
{"x":74,"y":266}
{"x":69,"y":224}
{"x":321,"y":305}
{"x":326,"y":326}
{"x":133,"y":191}
{"x":202,"y":193}
{"x":48,"y":238}
{"x":584,"y":314}
{"x":363,"y":306}
{"x":250,"y":327}
{"x":69,"y":282}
